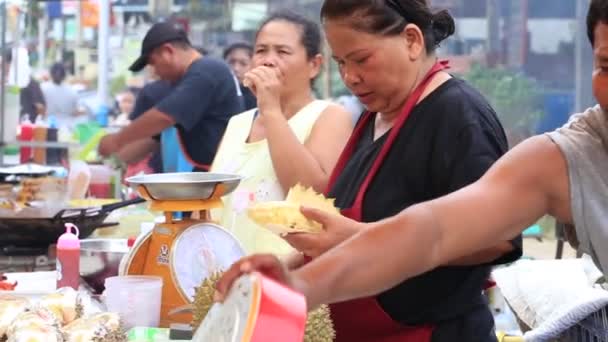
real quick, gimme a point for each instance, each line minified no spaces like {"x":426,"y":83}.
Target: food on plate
{"x":41,"y":189}
{"x":9,"y":205}
{"x":101,"y":327}
{"x":10,"y":307}
{"x":35,"y":325}
{"x":285,"y":217}
{"x":66,"y":304}
{"x":6,"y":191}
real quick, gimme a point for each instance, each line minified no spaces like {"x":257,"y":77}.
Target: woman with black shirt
{"x":425,"y":134}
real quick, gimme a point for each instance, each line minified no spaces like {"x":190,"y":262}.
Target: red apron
{"x":363,"y":320}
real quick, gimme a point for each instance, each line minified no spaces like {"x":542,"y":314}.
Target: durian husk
{"x":203,"y":299}
{"x":101,"y":327}
{"x":38,"y":324}
{"x":285,"y":216}
{"x":319,"y":326}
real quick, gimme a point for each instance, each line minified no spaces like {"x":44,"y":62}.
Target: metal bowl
{"x":186,"y":185}
{"x":100,"y":259}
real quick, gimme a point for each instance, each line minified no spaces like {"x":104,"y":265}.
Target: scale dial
{"x":201,"y":250}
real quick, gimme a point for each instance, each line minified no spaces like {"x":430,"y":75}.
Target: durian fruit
{"x":310,"y":198}
{"x":35,"y":325}
{"x":319,"y":326}
{"x":66,"y":304}
{"x":283,"y":217}
{"x":101,"y":327}
{"x":203,"y":299}
{"x":10,"y":307}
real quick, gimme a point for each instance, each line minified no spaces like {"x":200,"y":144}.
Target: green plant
{"x":118,"y":84}
{"x":515,"y":97}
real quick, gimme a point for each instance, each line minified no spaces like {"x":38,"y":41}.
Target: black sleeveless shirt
{"x":450,"y":140}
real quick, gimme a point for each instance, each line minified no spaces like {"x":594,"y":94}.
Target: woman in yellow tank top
{"x":290,"y":138}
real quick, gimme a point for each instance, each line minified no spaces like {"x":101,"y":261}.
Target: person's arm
{"x":485,"y":256}
{"x":467,"y":154}
{"x":311,"y":163}
{"x":149,"y":124}
{"x":39,"y":101}
{"x":530,"y":181}
{"x":137,"y":151}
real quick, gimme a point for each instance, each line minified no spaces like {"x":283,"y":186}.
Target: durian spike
{"x":203,"y":299}
{"x":319,"y":326}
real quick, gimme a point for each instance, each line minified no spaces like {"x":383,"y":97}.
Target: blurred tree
{"x":216,"y":13}
{"x":516,"y":98}
{"x":34,"y":13}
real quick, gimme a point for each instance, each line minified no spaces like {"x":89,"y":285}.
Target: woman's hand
{"x":265,"y":82}
{"x":336,"y":229}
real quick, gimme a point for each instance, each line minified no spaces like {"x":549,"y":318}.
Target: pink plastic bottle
{"x":68,"y":258}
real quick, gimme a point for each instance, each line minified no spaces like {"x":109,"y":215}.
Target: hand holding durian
{"x":285,"y":217}
{"x":308,"y":221}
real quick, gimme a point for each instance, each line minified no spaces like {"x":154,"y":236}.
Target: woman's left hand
{"x":265,"y":82}
{"x":336,"y":229}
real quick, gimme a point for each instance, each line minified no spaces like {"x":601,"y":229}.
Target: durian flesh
{"x":285,"y":217}
{"x":101,"y":327}
{"x":319,"y":326}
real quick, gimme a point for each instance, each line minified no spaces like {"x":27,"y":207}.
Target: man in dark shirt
{"x":203,"y":98}
{"x":151,"y":94}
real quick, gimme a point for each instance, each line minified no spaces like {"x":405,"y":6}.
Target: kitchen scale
{"x":183,"y":251}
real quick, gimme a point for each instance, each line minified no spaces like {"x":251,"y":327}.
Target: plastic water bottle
{"x":68,"y":258}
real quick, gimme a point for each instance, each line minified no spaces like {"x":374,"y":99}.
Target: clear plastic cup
{"x":136,"y":299}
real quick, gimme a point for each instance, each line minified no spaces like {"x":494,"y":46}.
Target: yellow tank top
{"x":260,"y":183}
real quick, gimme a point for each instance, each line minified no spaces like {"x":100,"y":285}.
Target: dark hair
{"x":311,"y":33}
{"x":183,"y":44}
{"x":238,"y":46}
{"x":57,"y":73}
{"x":598,"y":13}
{"x":389,"y":17}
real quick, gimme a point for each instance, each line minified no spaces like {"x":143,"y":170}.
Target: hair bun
{"x":443,"y":25}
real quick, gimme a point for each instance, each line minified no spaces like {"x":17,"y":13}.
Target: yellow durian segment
{"x":285,"y":217}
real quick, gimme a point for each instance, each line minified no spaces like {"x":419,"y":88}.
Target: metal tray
{"x":185,"y":185}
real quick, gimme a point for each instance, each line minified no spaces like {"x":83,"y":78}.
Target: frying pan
{"x":42,"y":232}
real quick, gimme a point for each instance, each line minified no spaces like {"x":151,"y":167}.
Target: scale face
{"x":233,"y":320}
{"x":201,"y":250}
